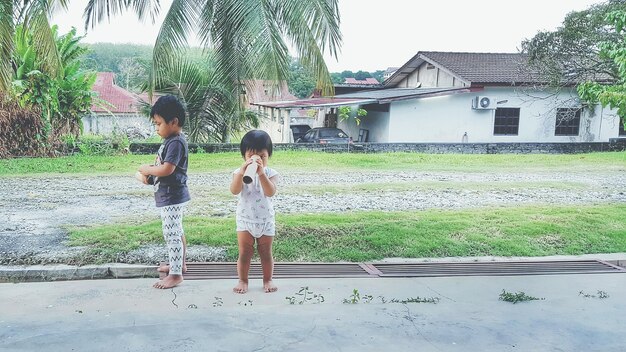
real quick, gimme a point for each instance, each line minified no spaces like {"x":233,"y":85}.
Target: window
{"x":567,"y":122}
{"x":621,"y":127}
{"x":506,"y":122}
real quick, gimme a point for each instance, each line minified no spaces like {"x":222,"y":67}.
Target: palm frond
{"x":7,"y":28}
{"x":97,"y":10}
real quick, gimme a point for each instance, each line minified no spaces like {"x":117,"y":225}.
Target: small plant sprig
{"x":356,"y":297}
{"x":517,"y":297}
{"x":418,"y":299}
{"x":246,"y":303}
{"x":218,"y":302}
{"x":600,"y":295}
{"x":305,"y":296}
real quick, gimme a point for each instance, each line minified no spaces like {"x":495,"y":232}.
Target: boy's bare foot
{"x":169,"y":281}
{"x":165,"y":268}
{"x":242,"y":287}
{"x":269,"y":287}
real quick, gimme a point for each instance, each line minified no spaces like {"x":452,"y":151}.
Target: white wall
{"x":429,"y":77}
{"x":104,"y":124}
{"x":377,"y":122}
{"x":447,"y":118}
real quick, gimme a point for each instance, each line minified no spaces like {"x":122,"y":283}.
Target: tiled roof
{"x":476,"y":69}
{"x":369,"y":80}
{"x":117,"y":99}
{"x":264,"y":90}
{"x":485,"y":67}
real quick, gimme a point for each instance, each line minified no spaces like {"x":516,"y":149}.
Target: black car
{"x":325,"y":135}
{"x":299,"y":131}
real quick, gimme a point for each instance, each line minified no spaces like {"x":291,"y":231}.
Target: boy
{"x":169,"y":176}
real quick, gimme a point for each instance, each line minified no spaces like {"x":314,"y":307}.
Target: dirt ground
{"x":38,"y":210}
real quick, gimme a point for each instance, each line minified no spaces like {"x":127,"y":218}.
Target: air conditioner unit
{"x":484,"y":103}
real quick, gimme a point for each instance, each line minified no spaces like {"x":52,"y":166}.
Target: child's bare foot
{"x":242,"y":287}
{"x":169,"y":281}
{"x":165,"y":268}
{"x":269,"y":287}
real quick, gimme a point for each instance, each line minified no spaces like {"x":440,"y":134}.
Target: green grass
{"x":363,"y":236}
{"x":317,"y":161}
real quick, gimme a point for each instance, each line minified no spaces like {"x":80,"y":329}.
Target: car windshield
{"x":332,"y":133}
{"x":300,"y":129}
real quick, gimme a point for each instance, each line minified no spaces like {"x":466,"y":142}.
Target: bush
{"x":22,"y":131}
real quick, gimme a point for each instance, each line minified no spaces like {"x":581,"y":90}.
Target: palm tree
{"x":32,"y":15}
{"x":249,"y":37}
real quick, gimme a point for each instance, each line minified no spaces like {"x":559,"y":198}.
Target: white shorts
{"x":256,"y":229}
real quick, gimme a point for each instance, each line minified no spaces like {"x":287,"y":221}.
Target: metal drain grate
{"x":198,"y":271}
{"x":494,"y":268}
{"x":281,"y":270}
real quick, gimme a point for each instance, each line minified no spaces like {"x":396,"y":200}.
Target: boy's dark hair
{"x":256,"y":140}
{"x":169,"y":108}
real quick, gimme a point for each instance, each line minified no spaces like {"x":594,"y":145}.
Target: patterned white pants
{"x":172,"y":223}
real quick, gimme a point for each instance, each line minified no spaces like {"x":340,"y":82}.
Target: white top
{"x":253,"y":205}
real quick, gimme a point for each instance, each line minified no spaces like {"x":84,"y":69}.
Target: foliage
{"x":114,"y":144}
{"x":517,"y":297}
{"x":21,"y":130}
{"x":63,"y":99}
{"x":344,"y":112}
{"x":301,"y":82}
{"x":33,"y":17}
{"x":215,"y":112}
{"x":611,"y":95}
{"x":570,"y":54}
{"x":600,"y":294}
{"x":249,"y":38}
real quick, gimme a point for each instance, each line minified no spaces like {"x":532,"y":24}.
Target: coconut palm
{"x":214,"y":113}
{"x":250,"y":38}
{"x":33,"y":15}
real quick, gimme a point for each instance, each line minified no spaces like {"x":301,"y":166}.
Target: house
{"x":274,"y":123}
{"x":368,"y":81}
{"x":115,"y":109}
{"x":389,"y":71}
{"x":455,"y":97}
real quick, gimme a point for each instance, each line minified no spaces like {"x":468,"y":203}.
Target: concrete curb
{"x":61,"y":272}
{"x":34,"y":273}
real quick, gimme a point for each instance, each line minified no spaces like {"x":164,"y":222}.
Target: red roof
{"x":363,"y":81}
{"x":117,"y":99}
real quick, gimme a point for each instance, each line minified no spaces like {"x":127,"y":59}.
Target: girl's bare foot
{"x":169,"y":281}
{"x":269,"y":287}
{"x":242,"y":287}
{"x":165,"y":268}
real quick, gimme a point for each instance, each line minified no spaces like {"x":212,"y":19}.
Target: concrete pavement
{"x":129,"y":315}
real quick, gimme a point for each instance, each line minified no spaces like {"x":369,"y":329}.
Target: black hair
{"x":169,"y":108}
{"x":256,"y":140}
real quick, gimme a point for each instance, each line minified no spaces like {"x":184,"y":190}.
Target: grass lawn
{"x":319,"y":161}
{"x":363,"y":236}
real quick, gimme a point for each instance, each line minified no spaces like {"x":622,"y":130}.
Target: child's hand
{"x":243,"y":167}
{"x":145,"y":169}
{"x":259,"y":168}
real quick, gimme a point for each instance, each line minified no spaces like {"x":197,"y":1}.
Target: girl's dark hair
{"x":169,"y":108}
{"x":256,"y":140}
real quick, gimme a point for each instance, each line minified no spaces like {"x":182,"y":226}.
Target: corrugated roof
{"x":392,"y":94}
{"x":314,"y":103}
{"x":120,"y":100}
{"x":379,"y":96}
{"x":366,"y":81}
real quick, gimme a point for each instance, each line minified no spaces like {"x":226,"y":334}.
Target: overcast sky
{"x":382,"y":33}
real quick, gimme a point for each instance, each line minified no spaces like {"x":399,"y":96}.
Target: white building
{"x":471,"y":97}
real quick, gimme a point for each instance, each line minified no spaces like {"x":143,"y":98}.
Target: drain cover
{"x":197,"y":271}
{"x":495,"y":268}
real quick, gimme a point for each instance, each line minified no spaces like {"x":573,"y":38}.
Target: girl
{"x":255,"y":213}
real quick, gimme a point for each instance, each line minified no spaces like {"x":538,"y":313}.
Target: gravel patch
{"x":38,"y":210}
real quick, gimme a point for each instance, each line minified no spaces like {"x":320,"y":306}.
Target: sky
{"x":383,"y":33}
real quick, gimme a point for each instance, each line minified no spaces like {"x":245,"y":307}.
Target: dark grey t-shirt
{"x":172,"y":189}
